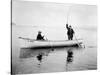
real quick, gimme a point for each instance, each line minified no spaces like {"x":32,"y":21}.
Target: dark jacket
{"x":70,"y":31}
{"x":40,"y":37}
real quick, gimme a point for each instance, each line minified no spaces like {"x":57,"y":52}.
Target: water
{"x":27,"y":61}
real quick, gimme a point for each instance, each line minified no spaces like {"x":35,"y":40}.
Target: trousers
{"x":70,"y":37}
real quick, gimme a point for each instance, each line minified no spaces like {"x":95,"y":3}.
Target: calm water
{"x":25,"y":61}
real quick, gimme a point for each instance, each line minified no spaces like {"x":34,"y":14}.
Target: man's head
{"x":70,"y":26}
{"x":39,"y":32}
{"x":66,"y":24}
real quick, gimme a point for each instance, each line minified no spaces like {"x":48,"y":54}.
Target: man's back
{"x":39,"y":37}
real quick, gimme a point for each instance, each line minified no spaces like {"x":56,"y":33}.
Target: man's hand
{"x":66,"y":24}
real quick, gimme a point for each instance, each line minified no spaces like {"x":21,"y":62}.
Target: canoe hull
{"x":57,"y":46}
{"x":52,"y":44}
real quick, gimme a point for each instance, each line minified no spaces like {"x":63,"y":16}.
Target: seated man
{"x":39,"y":36}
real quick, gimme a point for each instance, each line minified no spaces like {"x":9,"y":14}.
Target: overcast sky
{"x":46,"y":14}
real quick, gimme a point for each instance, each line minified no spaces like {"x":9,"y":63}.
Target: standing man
{"x":70,"y":32}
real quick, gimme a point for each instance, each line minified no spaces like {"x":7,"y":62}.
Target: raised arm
{"x":67,"y":26}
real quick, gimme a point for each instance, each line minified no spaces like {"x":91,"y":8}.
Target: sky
{"x":51,"y":18}
{"x":46,"y":14}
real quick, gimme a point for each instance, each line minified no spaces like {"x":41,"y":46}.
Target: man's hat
{"x":39,"y":32}
{"x":70,"y":26}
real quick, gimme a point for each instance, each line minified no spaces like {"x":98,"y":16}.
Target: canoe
{"x":40,"y":44}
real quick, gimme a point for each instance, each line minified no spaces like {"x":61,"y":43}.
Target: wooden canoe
{"x":40,"y":44}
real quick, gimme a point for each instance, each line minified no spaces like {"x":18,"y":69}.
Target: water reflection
{"x":28,"y":53}
{"x":38,"y":56}
{"x":69,"y":55}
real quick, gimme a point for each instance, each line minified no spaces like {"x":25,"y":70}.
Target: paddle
{"x":45,"y":37}
{"x":67,"y":23}
{"x":77,"y":41}
{"x":80,"y":45}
